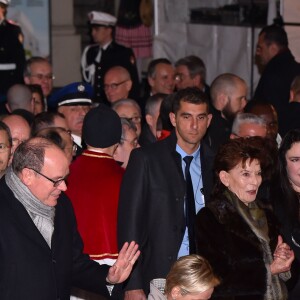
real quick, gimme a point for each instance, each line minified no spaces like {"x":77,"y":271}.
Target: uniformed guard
{"x":73,"y":101}
{"x":104,"y":54}
{"x":12,"y":54}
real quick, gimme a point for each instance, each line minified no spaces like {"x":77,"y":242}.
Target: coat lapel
{"x":23,"y":221}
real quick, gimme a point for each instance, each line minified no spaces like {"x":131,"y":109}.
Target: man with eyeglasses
{"x":38,"y":70}
{"x":128,"y":142}
{"x":130,"y":110}
{"x":5,"y":147}
{"x":41,"y":249}
{"x":117,"y":84}
{"x":73,"y":101}
{"x":104,"y":54}
{"x":191,"y":72}
{"x":93,"y":187}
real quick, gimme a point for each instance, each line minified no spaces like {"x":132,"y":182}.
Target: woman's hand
{"x":283,"y":257}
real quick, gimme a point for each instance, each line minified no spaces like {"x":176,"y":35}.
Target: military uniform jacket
{"x":151,"y":207}
{"x":29,"y":268}
{"x":12,"y":56}
{"x":114,"y":55}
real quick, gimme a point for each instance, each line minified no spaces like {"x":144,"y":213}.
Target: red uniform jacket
{"x":93,"y":187}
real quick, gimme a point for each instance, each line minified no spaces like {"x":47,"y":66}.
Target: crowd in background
{"x":204,"y":180}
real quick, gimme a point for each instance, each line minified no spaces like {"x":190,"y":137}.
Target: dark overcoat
{"x":151,"y":207}
{"x":29,"y":268}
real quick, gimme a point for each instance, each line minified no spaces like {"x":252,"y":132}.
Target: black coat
{"x":291,"y":118}
{"x":233,"y":250}
{"x":11,"y":52}
{"x":29,"y":268}
{"x":275,"y":82}
{"x":291,"y":234}
{"x":151,"y":207}
{"x":114,"y":55}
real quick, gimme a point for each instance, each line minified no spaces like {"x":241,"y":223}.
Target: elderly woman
{"x":191,"y":277}
{"x":286,"y":196}
{"x":238,"y":237}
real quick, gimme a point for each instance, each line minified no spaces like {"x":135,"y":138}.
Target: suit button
{"x":177,"y":199}
{"x":170,"y":258}
{"x":53,"y":261}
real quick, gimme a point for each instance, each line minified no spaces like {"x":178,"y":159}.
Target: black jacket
{"x":29,"y":268}
{"x":275,"y":82}
{"x":151,"y":207}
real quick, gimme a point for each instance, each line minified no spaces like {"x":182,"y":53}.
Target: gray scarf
{"x":42,"y":215}
{"x":255,"y":217}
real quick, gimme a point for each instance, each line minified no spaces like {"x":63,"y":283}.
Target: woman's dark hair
{"x":291,"y":200}
{"x":234,"y":152}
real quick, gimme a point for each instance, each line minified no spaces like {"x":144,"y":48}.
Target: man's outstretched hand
{"x":121,"y":269}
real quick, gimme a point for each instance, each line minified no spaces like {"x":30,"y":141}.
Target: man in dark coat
{"x":152,"y":197}
{"x":41,"y":249}
{"x":104,"y":54}
{"x":280,"y":68}
{"x":12,"y":54}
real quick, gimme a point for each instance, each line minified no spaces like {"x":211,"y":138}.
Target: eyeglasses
{"x":113,"y":86}
{"x":135,"y":120}
{"x":4,"y":147}
{"x":42,"y":76}
{"x":180,"y":76}
{"x":134,"y":143}
{"x":56,"y":183}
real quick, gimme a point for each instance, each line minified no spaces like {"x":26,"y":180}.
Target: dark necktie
{"x":190,"y":209}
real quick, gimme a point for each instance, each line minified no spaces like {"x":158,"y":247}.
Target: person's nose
{"x":194,"y":123}
{"x":63,"y":186}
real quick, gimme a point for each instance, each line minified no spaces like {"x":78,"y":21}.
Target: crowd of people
{"x":186,"y":190}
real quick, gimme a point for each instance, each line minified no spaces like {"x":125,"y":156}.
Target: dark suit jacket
{"x":291,"y":118}
{"x":29,"y":268}
{"x":114,"y":55}
{"x":275,"y":82}
{"x":151,"y":207}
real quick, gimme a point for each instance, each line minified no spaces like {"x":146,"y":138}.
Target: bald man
{"x":117,"y":84}
{"x":228,"y":98}
{"x":19,"y":96}
{"x":19,"y":129}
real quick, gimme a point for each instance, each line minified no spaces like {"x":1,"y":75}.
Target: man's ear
{"x":7,"y":107}
{"x":26,"y":176}
{"x":26,"y":80}
{"x":197,"y":80}
{"x":149,"y":120}
{"x":172,"y":118}
{"x":128,"y":85}
{"x":209,"y":118}
{"x":224,"y":177}
{"x":151,"y":81}
{"x":274,"y":49}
